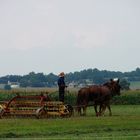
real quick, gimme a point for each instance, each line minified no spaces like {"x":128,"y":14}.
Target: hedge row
{"x":126,"y":98}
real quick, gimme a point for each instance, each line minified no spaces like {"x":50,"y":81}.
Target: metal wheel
{"x":70,"y":109}
{"x":41,"y":113}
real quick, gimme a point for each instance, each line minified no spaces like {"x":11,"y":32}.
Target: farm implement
{"x":38,"y":106}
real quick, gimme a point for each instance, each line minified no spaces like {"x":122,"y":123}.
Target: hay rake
{"x":38,"y":106}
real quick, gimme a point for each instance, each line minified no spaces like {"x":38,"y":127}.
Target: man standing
{"x":62,"y":86}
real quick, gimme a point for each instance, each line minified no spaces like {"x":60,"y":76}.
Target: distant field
{"x":135,"y":85}
{"x":123,"y":125}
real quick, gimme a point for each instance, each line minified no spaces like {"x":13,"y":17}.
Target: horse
{"x":82,"y":100}
{"x":115,"y":88}
{"x":99,"y":95}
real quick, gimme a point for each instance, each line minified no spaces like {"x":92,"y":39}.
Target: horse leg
{"x":84,"y":110}
{"x":79,"y":111}
{"x":109,"y":108}
{"x":102,"y":109}
{"x":95,"y":108}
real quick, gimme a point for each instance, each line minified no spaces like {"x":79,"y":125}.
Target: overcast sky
{"x":69,"y":35}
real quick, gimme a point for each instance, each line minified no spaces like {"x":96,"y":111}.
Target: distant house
{"x":72,"y":85}
{"x":14,"y":84}
{"x":81,"y":85}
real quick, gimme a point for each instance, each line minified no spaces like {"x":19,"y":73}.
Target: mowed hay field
{"x":124,"y":124}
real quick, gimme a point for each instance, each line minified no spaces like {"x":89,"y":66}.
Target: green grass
{"x":123,"y":125}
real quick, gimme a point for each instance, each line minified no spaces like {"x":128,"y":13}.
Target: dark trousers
{"x":61,"y":95}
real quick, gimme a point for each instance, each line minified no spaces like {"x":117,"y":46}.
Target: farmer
{"x":62,"y":86}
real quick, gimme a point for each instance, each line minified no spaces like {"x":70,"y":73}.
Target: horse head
{"x":114,"y":86}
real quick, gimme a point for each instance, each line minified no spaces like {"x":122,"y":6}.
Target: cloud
{"x":93,"y":36}
{"x":27,"y":25}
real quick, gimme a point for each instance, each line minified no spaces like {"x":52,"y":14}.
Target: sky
{"x":52,"y":36}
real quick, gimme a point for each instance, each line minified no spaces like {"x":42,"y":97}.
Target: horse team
{"x":98,"y":95}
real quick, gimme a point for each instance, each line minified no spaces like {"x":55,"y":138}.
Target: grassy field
{"x":123,"y":125}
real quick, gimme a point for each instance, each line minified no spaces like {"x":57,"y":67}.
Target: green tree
{"x":7,"y":87}
{"x":125,"y":85}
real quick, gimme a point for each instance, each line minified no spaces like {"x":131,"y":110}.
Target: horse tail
{"x":78,"y":101}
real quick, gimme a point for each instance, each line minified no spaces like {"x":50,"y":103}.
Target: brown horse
{"x":99,"y":95}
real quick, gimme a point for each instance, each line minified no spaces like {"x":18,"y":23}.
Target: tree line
{"x":85,"y":76}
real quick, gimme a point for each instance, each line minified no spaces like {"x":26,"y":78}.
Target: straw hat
{"x":62,"y":74}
